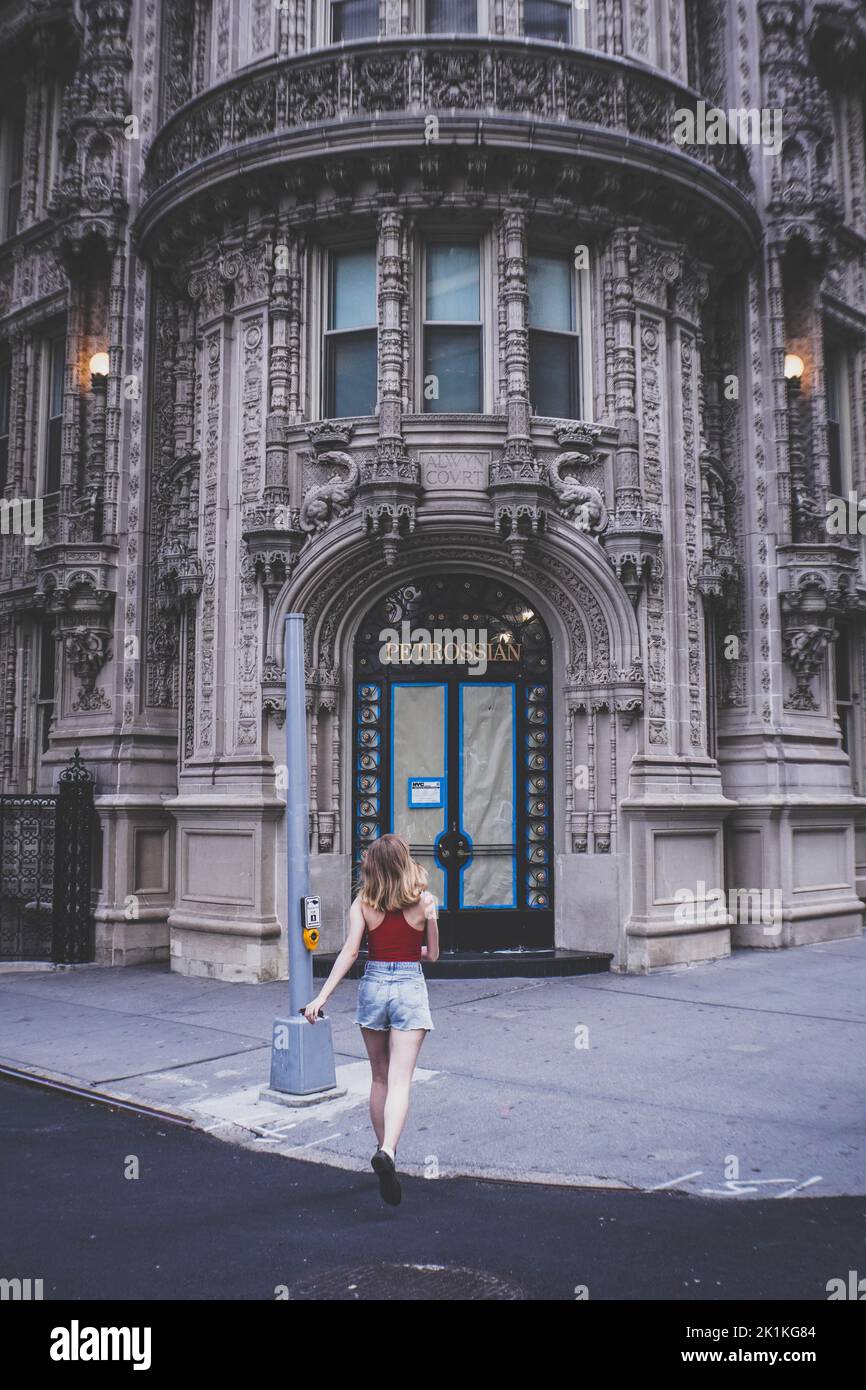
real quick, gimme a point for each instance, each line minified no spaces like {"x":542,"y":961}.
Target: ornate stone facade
{"x":183,"y":210}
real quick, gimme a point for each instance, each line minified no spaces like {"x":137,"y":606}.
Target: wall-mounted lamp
{"x":99,"y":365}
{"x":794,"y":366}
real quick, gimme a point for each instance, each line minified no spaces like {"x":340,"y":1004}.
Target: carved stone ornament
{"x":335,"y":498}
{"x":87,"y":650}
{"x":390,"y":490}
{"x":582,"y":504}
{"x":274,"y":691}
{"x":330,"y":434}
{"x":805,"y":649}
{"x":273,"y":537}
{"x":520,"y":497}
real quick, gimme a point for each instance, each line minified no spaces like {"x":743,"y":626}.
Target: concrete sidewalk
{"x":759,"y":1060}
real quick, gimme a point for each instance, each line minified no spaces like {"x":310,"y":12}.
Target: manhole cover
{"x":407,"y":1281}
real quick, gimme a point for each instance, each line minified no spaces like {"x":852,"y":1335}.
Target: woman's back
{"x":394,"y":939}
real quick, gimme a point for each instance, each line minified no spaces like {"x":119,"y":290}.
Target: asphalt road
{"x":209,"y":1220}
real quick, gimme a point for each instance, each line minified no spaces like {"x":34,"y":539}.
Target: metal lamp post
{"x":302,"y":1053}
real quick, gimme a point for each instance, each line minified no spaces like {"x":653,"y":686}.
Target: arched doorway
{"x":452,"y":747}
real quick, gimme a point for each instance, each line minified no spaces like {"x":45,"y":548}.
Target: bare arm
{"x":431,"y":950}
{"x":343,"y":964}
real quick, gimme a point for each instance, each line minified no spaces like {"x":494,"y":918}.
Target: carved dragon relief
{"x":583,"y":504}
{"x":325,"y":501}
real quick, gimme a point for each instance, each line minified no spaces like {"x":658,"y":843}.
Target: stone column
{"x":514,"y":298}
{"x":224,"y":920}
{"x":674,"y":815}
{"x":627,"y":472}
{"x":779,"y":749}
{"x":392,"y":295}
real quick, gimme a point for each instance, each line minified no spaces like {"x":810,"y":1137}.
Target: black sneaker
{"x":389,"y":1183}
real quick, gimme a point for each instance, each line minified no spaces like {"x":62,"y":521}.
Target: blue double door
{"x":464,"y":773}
{"x":458,"y":756}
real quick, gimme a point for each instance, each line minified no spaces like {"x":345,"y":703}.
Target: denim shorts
{"x":393,"y":994}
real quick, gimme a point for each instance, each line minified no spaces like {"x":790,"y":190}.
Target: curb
{"x":234,"y":1133}
{"x":61,"y":1081}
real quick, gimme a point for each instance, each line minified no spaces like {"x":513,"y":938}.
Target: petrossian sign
{"x":452,"y":646}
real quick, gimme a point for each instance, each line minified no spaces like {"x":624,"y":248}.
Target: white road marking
{"x":674,"y":1181}
{"x":799,"y":1188}
{"x":743,"y":1187}
{"x":324,"y":1140}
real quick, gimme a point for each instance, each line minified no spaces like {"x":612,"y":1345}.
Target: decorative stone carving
{"x":89,"y":192}
{"x":87,"y":650}
{"x":472,"y":75}
{"x":584,"y":505}
{"x":520,"y":494}
{"x":274,"y":691}
{"x":805,"y":649}
{"x":804,"y":203}
{"x":819,"y":584}
{"x":719,"y":569}
{"x":389,"y":495}
{"x":323,"y":503}
{"x":273,"y":536}
{"x":330,"y":434}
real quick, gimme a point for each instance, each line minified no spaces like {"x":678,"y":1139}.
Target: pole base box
{"x":302,"y":1056}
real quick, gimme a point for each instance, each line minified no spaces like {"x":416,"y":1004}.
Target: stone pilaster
{"x":515,"y":305}
{"x":392,"y":296}
{"x":226,"y":811}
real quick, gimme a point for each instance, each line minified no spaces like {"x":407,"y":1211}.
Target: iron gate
{"x":46,"y":857}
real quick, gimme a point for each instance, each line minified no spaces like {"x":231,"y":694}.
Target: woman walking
{"x":399,"y":916}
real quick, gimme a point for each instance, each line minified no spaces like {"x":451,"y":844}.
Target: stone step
{"x":478,"y":965}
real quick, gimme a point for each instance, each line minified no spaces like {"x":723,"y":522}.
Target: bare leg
{"x":405,"y":1046}
{"x":376,"y":1043}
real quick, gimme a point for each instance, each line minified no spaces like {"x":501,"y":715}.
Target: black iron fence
{"x":46,"y":866}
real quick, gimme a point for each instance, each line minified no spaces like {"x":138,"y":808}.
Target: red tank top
{"x":394,"y":939}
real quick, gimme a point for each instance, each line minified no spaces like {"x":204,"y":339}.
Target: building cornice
{"x":425,"y":108}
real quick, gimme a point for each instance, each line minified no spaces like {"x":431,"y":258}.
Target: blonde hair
{"x":390,"y":878}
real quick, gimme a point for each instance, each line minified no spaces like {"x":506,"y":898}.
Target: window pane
{"x":835,"y":383}
{"x":351,"y":374}
{"x":13,"y":207}
{"x":553,"y":382}
{"x":354,"y":19}
{"x":453,"y":357}
{"x":47,"y":662}
{"x":52,"y":463}
{"x":452,"y":17}
{"x":58,"y":363}
{"x":841,"y":657}
{"x":832,"y":372}
{"x":5,"y":387}
{"x":551,"y":293}
{"x":16,"y":151}
{"x":834,"y":443}
{"x":453,"y":283}
{"x":546,"y":19}
{"x":353,"y":289}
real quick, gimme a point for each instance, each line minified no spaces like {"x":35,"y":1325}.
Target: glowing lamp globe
{"x":793,"y":367}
